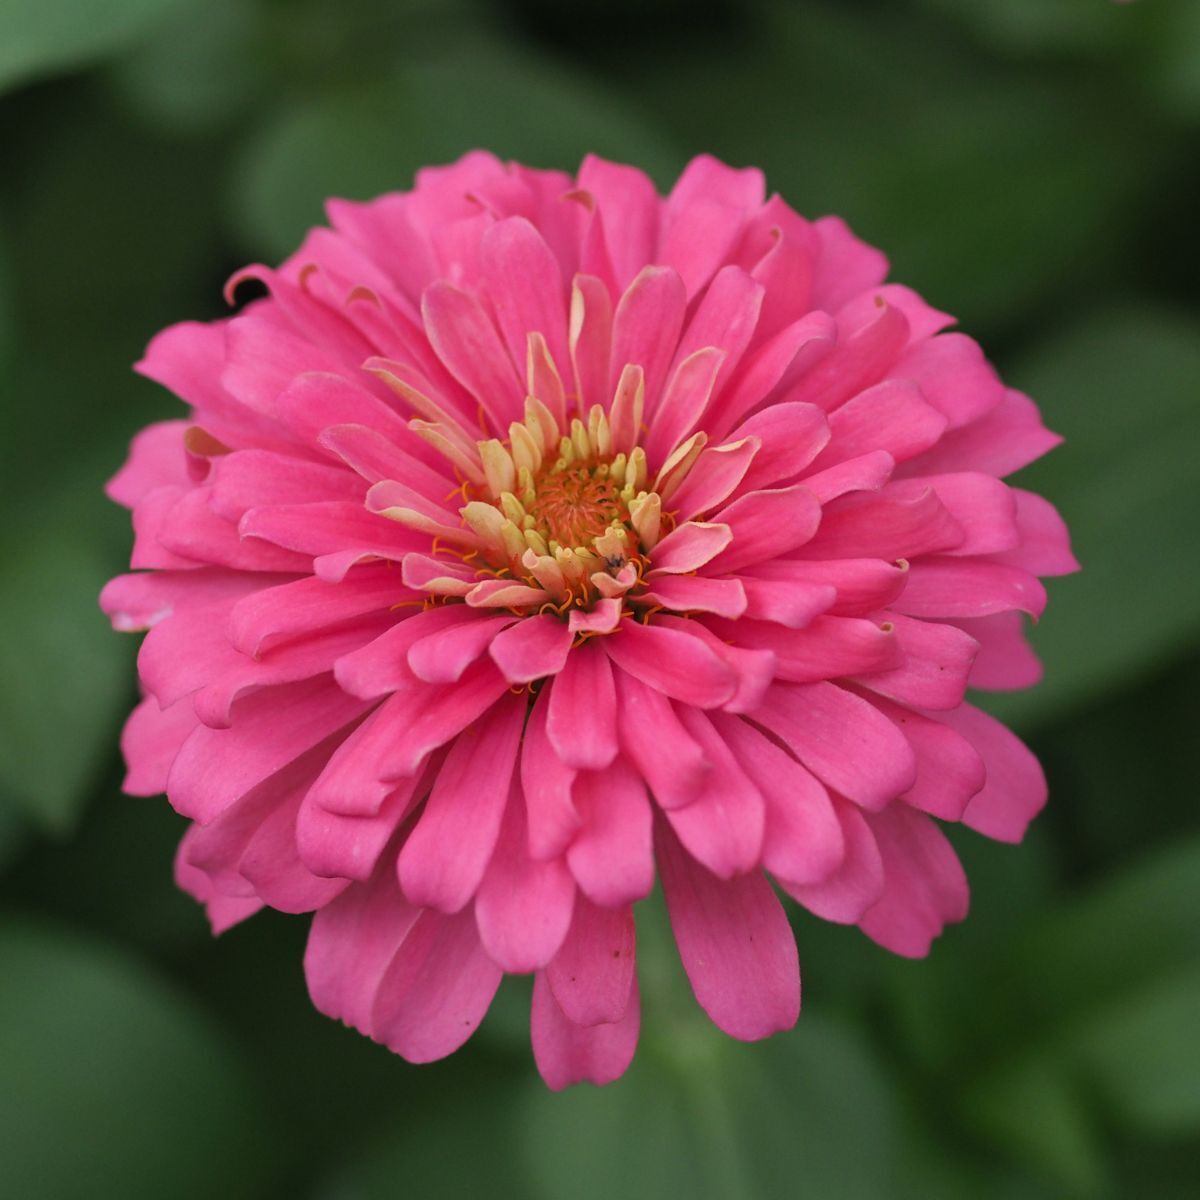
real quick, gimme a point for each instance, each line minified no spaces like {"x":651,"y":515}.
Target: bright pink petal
{"x":766,"y":525}
{"x":924,"y":886}
{"x":546,"y":782}
{"x":611,"y":856}
{"x":1015,"y":791}
{"x":581,"y":722}
{"x":435,"y":990}
{"x":842,"y":739}
{"x":646,"y":328}
{"x":445,"y":856}
{"x":568,"y":1053}
{"x":856,"y":885}
{"x":592,"y":975}
{"x":802,"y":839}
{"x":523,"y":906}
{"x":722,"y":827}
{"x":677,"y":664}
{"x":532,"y":649}
{"x":735,"y":943}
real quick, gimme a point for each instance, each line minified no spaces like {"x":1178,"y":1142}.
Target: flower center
{"x":565,"y":513}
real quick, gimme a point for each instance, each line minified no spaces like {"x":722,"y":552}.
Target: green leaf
{"x":1143,"y":1055}
{"x":991,"y":191}
{"x":362,"y":142}
{"x":1103,"y":991}
{"x":195,"y":72}
{"x":41,"y":37}
{"x":67,"y":676}
{"x":1120,"y":387}
{"x":701,"y":1116}
{"x":1035,"y":1108}
{"x":113,"y":1084}
{"x":1043,"y":25}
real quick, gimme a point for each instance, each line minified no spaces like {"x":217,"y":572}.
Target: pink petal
{"x":802,"y":837}
{"x":714,"y":477}
{"x":683,"y":403}
{"x":1045,"y":546}
{"x":591,"y":344}
{"x":611,"y":856}
{"x":862,"y":585}
{"x":592,"y":975}
{"x":868,"y":525}
{"x":381,"y":666}
{"x":859,"y":359}
{"x":532,"y":648}
{"x":395,"y":741}
{"x":546,"y":782}
{"x":707,"y":178}
{"x":333,"y":843}
{"x":275,"y":614}
{"x":722,"y":827}
{"x":655,"y":741}
{"x":288,"y":663}
{"x":845,"y":741}
{"x":156,"y":459}
{"x":249,"y":479}
{"x":436,"y":988}
{"x":1003,"y":440}
{"x":697,"y":593}
{"x":891,"y":416}
{"x":442,"y":657}
{"x":698,"y":238}
{"x":936,"y":664}
{"x":523,"y":906}
{"x":445,"y":856}
{"x":646,"y":328}
{"x":725,"y":318}
{"x":1015,"y":791}
{"x":568,"y":1053}
{"x":217,"y":766}
{"x":689,"y":546}
{"x":984,"y":507}
{"x":784,"y":602}
{"x":754,"y":669}
{"x":826,"y":648}
{"x":526,"y":288}
{"x":735,"y":944}
{"x":677,"y":664}
{"x":949,"y":769}
{"x":191,"y":529}
{"x":581,"y":722}
{"x":467,"y":342}
{"x":791,"y":436}
{"x":1006,"y":661}
{"x":223,"y":912}
{"x":350,"y":944}
{"x":629,"y":204}
{"x":949,"y":587}
{"x":766,"y":525}
{"x":845,"y":265}
{"x":845,"y":895}
{"x":924,"y":885}
{"x":791,"y":353}
{"x":150,"y":740}
{"x":953,"y":375}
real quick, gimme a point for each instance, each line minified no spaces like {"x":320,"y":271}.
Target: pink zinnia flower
{"x":536,"y":537}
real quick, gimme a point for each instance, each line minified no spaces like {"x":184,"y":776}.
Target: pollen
{"x":562,"y":509}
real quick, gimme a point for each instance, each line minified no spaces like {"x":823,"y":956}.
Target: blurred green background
{"x":1030,"y":165}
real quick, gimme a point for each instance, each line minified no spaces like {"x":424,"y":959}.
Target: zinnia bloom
{"x":536,"y":537}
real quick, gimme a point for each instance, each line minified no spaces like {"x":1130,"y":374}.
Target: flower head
{"x":534,"y":537}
